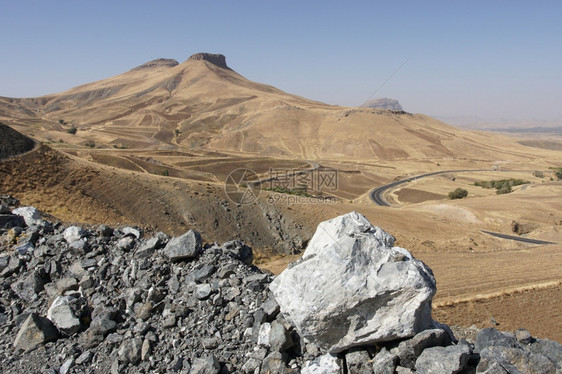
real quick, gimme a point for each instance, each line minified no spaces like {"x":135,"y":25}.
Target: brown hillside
{"x":13,"y":143}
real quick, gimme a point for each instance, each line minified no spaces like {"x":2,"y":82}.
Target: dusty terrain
{"x":154,"y":147}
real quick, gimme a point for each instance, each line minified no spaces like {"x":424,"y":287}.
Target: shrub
{"x":458,"y":193}
{"x":558,"y":174}
{"x":72,"y":130}
{"x":538,"y":174}
{"x":166,"y":173}
{"x":506,"y":188}
{"x":90,"y":143}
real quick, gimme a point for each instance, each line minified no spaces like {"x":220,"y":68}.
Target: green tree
{"x":458,"y":193}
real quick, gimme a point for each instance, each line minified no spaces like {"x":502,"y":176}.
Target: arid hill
{"x":203,"y":104}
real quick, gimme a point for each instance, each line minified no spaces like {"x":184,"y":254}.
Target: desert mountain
{"x":203,"y":104}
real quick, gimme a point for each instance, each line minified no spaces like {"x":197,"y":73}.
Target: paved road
{"x":376,"y":194}
{"x":516,"y":238}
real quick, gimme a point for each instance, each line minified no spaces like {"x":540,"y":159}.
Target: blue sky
{"x":492,"y":59}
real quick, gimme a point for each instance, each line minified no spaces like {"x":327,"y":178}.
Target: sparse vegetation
{"x":166,"y":173}
{"x":120,"y":146}
{"x":538,"y":174}
{"x":501,"y":186}
{"x":72,"y":130}
{"x":459,"y":193}
{"x":557,"y":173}
{"x":285,"y":190}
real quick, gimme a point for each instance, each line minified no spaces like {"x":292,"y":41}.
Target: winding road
{"x":377,"y":197}
{"x":376,"y":194}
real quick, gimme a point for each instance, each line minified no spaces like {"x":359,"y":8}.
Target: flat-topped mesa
{"x":159,"y":62}
{"x":215,"y":59}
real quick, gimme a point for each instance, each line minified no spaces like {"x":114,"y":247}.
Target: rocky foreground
{"x":105,"y":300}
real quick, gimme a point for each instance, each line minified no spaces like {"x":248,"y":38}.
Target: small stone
{"x":68,"y":364}
{"x":385,"y":362}
{"x":66,"y":284}
{"x":325,"y":364}
{"x":145,"y":311}
{"x":447,"y":360}
{"x":85,"y":357}
{"x":202,"y":291}
{"x":72,"y":234}
{"x":205,"y":365}
{"x":279,"y":338}
{"x":34,"y":331}
{"x":30,"y":215}
{"x":130,"y":351}
{"x":358,"y":362}
{"x":523,"y":336}
{"x":63,"y":316}
{"x":183,"y":247}
{"x":146,"y":349}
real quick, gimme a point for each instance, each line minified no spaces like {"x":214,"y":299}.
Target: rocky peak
{"x":215,"y":59}
{"x":159,"y":62}
{"x":384,"y":103}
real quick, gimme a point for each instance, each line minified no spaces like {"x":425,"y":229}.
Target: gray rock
{"x":385,"y":362}
{"x":273,"y":363}
{"x":279,"y":338}
{"x":409,"y":350}
{"x":62,"y":314}
{"x":13,"y":265}
{"x":183,"y":247}
{"x":239,"y":250}
{"x":514,"y":360}
{"x":73,"y":233}
{"x":353,"y":288}
{"x":28,"y":288}
{"x":202,"y":273}
{"x":202,"y":291}
{"x":126,"y":243}
{"x":358,"y":362}
{"x":443,"y":360}
{"x":205,"y":365}
{"x":85,"y":357}
{"x":68,"y":364}
{"x":34,"y":331}
{"x":263,"y":334}
{"x":130,"y":351}
{"x":325,"y":364}
{"x":66,"y":284}
{"x":523,"y":336}
{"x":490,"y":337}
{"x":30,"y":215}
{"x":147,"y":248}
{"x":548,"y":348}
{"x":132,"y":231}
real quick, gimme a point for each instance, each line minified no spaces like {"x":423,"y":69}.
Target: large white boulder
{"x":352,"y":287}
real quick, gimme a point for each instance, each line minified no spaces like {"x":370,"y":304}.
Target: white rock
{"x":325,"y":364}
{"x":72,"y":234}
{"x":62,"y":315}
{"x":353,"y":288}
{"x":30,"y":215}
{"x":263,"y":334}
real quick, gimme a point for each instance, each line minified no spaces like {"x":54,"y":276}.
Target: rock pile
{"x":104,"y":300}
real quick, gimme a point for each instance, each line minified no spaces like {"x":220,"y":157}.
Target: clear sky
{"x":489,"y":59}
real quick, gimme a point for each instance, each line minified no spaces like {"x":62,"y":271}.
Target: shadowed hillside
{"x":13,"y":143}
